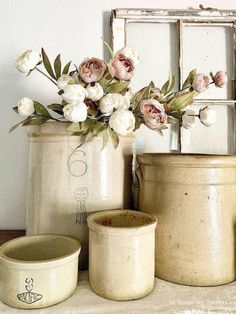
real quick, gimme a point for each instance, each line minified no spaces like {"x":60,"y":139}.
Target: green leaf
{"x":57,"y":66}
{"x":37,"y":120}
{"x":171,"y":119}
{"x":47,"y":64}
{"x":105,"y":138}
{"x":189,"y":79}
{"x":58,"y":108}
{"x":138,"y":122}
{"x":109,"y":48}
{"x":41,"y":110}
{"x":117,"y":87}
{"x":167,"y":87}
{"x":180,"y":101}
{"x":18,"y":124}
{"x":66,"y":68}
{"x":114,"y":138}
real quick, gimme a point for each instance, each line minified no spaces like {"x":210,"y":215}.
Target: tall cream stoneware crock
{"x":66,"y":184}
{"x":194,"y":199}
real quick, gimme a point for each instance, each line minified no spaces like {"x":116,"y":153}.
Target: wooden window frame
{"x":121,"y":17}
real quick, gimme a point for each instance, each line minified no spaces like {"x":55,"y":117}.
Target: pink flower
{"x":92,"y":70}
{"x":220,"y":79}
{"x":122,"y":67}
{"x":200,"y":83}
{"x":153,"y":114}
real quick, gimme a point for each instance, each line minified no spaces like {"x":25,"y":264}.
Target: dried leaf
{"x":167,"y":87}
{"x":114,"y":138}
{"x":47,"y":64}
{"x":117,"y":87}
{"x":57,"y":66}
{"x":41,"y":110}
{"x":189,"y":79}
{"x":105,"y":138}
{"x":58,"y":108}
{"x":18,"y":124}
{"x":15,"y":109}
{"x":66,"y":68}
{"x":37,"y":120}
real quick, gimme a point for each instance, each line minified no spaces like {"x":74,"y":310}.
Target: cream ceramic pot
{"x":67,"y":182}
{"x":121,"y":254}
{"x":38,"y":271}
{"x":194,"y":199}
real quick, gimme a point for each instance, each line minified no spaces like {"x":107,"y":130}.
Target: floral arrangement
{"x":96,"y":97}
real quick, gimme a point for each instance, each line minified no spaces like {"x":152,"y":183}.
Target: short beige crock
{"x":121,"y":254}
{"x":194,"y":199}
{"x":38,"y":271}
{"x":68,"y":182}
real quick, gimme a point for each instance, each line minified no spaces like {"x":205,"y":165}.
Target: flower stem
{"x":46,"y":76}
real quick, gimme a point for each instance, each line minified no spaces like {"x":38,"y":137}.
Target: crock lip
{"x":6,"y":259}
{"x":108,"y":229}
{"x":183,"y":159}
{"x":34,"y":131}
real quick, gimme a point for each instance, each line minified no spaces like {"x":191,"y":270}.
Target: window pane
{"x":209,"y":48}
{"x":217,"y":139}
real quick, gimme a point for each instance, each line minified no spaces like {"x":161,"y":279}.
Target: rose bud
{"x":92,"y":70}
{"x":25,"y":107}
{"x":74,"y":93}
{"x":220,"y":79}
{"x":131,"y":53}
{"x":200,"y":83}
{"x":64,"y":80}
{"x":94,"y":92}
{"x":27,"y":61}
{"x":153,"y":114}
{"x":75,"y":112}
{"x":122,"y":121}
{"x":188,"y":119}
{"x":207,"y":116}
{"x":122,"y":67}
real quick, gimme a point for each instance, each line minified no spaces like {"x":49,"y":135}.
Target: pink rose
{"x":153,"y":114}
{"x":122,"y":67}
{"x":200,"y":83}
{"x":220,"y":79}
{"x":92,"y":70}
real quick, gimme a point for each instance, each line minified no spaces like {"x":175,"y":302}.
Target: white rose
{"x":74,"y":93}
{"x":25,"y":107}
{"x":114,"y":101}
{"x":27,"y":61}
{"x":122,"y":121}
{"x":207,"y":116}
{"x":130,"y":53}
{"x":188,"y":119}
{"x":94,"y":92}
{"x":75,"y":112}
{"x":65,"y":80}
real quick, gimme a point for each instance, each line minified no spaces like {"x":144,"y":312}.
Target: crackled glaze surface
{"x":67,"y":182}
{"x":194,"y":199}
{"x":121,"y":254}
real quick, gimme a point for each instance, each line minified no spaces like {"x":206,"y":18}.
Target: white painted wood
{"x":118,"y":33}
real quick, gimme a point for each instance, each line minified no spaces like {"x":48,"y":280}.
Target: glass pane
{"x":217,"y":139}
{"x":157,"y":44}
{"x":209,"y":48}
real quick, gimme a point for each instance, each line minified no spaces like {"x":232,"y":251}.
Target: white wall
{"x":72,"y":27}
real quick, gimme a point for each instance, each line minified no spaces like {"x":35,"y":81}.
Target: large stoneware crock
{"x":194,"y":199}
